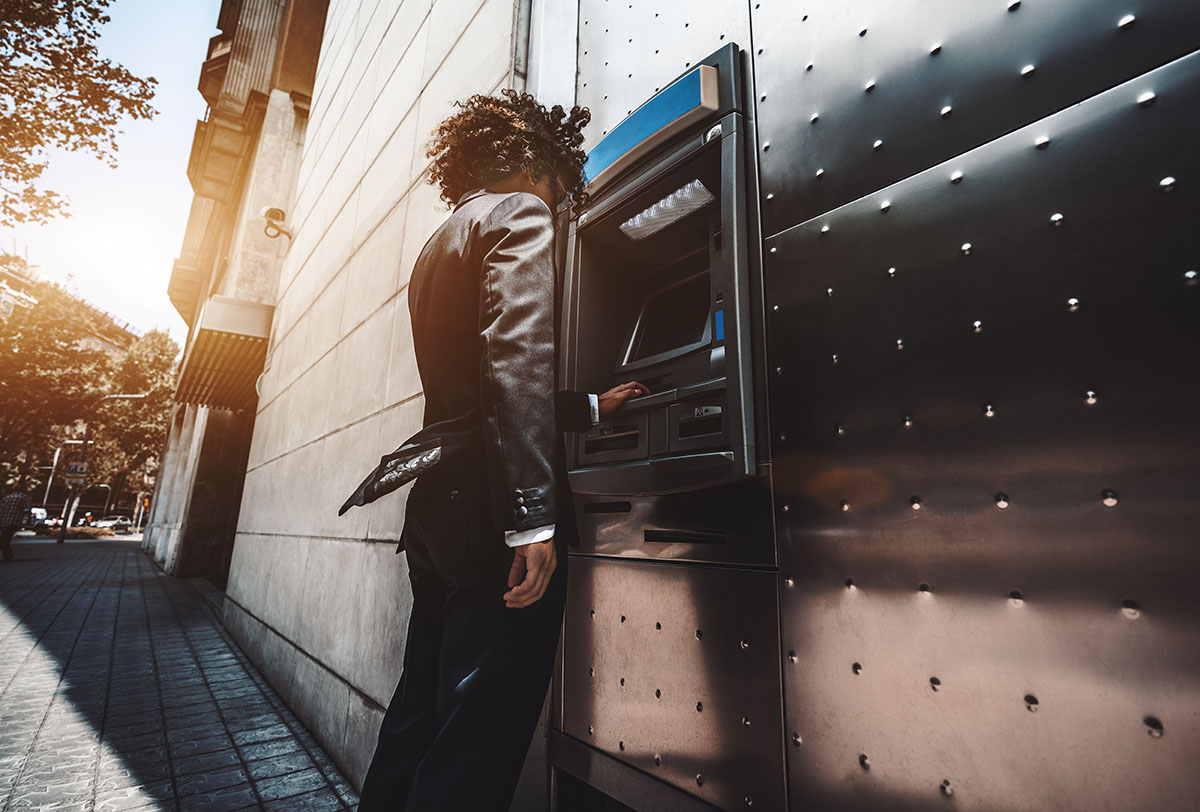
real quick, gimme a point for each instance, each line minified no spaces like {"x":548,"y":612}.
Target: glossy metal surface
{"x":927,"y":81}
{"x":674,"y":670}
{"x":987,"y":461}
{"x":630,"y":51}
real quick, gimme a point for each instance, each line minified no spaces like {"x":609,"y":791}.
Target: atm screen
{"x":672,"y":318}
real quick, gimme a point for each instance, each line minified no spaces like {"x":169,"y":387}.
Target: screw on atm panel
{"x":745,"y":644}
{"x":936,"y":49}
{"x":1028,"y":70}
{"x":1072,"y":304}
{"x":870,"y":86}
{"x":946,"y":111}
{"x":989,"y":410}
{"x":796,"y":740}
{"x":864,"y":762}
{"x":1130,"y":609}
{"x":966,"y":249}
{"x":891,"y":273}
{"x":1126,"y":22}
{"x":749,"y":800}
{"x":835,"y":358}
{"x":1108,"y":497}
{"x":845,"y":505}
{"x":977,"y":326}
{"x":934,"y":683}
{"x":774,"y":249}
{"x":907,"y":421}
{"x":824,"y":229}
{"x":956,"y":176}
{"x":1001,"y":500}
{"x":856,"y":668}
{"x":1013,"y":5}
{"x":899,"y":343}
{"x":1041,"y":142}
{"x":809,"y":66}
{"x":1167,"y":184}
{"x":699,"y":707}
{"x":885,"y":206}
{"x":1189,"y":278}
{"x":946,"y":789}
{"x":915,"y":503}
{"x":878,"y":145}
{"x":1031,"y":703}
{"x":791,"y":656}
{"x":1091,"y":398}
{"x":828,"y":293}
{"x":815,"y":118}
{"x":699,"y":779}
{"x":924,"y":589}
{"x":840,"y":429}
{"x":657,"y":760}
{"x":1154,"y":727}
{"x":819,"y":173}
{"x":1146,"y":99}
{"x":1016,"y":597}
{"x":1056,"y":220}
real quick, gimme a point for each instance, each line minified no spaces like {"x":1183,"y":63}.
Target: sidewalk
{"x":120,"y":690}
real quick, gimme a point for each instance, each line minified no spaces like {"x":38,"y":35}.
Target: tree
{"x":46,"y":378}
{"x":56,"y":91}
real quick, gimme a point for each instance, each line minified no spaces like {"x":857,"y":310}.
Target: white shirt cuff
{"x":519,"y":538}
{"x":594,"y":403}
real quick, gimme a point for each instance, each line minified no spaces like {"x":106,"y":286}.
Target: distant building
{"x":17,"y":279}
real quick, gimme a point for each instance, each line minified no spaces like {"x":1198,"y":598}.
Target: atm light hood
{"x":674,"y":207}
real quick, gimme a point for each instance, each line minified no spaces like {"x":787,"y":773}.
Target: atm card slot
{"x":697,"y":426}
{"x":657,"y":536}
{"x":606,"y":507}
{"x":622,"y":437}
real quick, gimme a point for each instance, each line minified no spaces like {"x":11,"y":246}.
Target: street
{"x":120,"y":690}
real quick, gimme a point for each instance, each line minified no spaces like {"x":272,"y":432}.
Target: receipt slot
{"x":659,"y":290}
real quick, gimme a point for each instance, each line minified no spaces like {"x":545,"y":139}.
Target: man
{"x":486,"y":531}
{"x":12,"y":515}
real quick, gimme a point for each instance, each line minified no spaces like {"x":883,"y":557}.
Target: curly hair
{"x":491,"y":138}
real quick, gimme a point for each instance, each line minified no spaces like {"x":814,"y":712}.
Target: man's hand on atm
{"x":613,"y":398}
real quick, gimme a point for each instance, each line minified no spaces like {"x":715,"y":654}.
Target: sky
{"x":127,"y":223}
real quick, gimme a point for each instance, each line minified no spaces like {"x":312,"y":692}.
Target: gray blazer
{"x":484,"y":300}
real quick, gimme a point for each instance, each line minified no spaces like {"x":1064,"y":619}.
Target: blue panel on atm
{"x":678,"y":100}
{"x":719,"y":329}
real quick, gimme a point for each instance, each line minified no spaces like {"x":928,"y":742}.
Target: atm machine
{"x":668,"y":694}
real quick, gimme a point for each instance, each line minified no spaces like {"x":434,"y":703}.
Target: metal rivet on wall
{"x":965,"y":248}
{"x":1146,"y":99}
{"x":845,"y":505}
{"x":1041,"y":142}
{"x":1090,"y":398}
{"x":1072,"y":304}
{"x":899,"y":343}
{"x":840,"y":430}
{"x":745,"y":644}
{"x":891,"y":273}
{"x":1130,"y":609}
{"x":1016,"y":597}
{"x":808,"y":67}
{"x":824,"y":229}
{"x":946,"y":788}
{"x":819,"y":173}
{"x":1031,"y":703}
{"x":907,"y":421}
{"x":699,"y":779}
{"x":796,"y":740}
{"x":856,"y":668}
{"x":864,"y":762}
{"x":1154,"y":727}
{"x":862,"y":33}
{"x":878,"y":145}
{"x":1126,"y":22}
{"x":1002,"y":501}
{"x":699,"y":707}
{"x":924,"y":589}
{"x":835,"y":358}
{"x":946,"y":111}
{"x":934,"y":683}
{"x":1056,"y":220}
{"x":1167,"y":184}
{"x":989,"y":410}
{"x":774,"y":249}
{"x":956,"y":176}
{"x":885,"y":206}
{"x":936,"y":49}
{"x":828,"y":293}
{"x":977,"y":326}
{"x":1013,"y":5}
{"x":1028,"y":70}
{"x":815,"y":118}
{"x":1108,"y":497}
{"x":850,"y":584}
{"x":915,"y":503}
{"x":1189,"y":277}
{"x":870,"y":86}
{"x":791,"y":656}
{"x":657,"y":760}
{"x":770,"y":196}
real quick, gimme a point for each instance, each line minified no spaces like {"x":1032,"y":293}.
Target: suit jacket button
{"x":520,"y":500}
{"x":521,"y":511}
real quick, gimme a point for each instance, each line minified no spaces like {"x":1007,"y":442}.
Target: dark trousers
{"x":458,"y":728}
{"x":6,"y":537}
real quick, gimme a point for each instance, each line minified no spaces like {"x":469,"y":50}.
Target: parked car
{"x":117,"y":523}
{"x":36,"y":516}
{"x":48,"y":526}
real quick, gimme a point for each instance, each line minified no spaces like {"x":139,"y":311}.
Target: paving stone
{"x":89,"y":723}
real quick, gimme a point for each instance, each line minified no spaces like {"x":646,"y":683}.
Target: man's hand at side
{"x":532,"y":566}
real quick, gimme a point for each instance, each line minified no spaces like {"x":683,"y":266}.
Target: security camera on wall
{"x":276,"y":222}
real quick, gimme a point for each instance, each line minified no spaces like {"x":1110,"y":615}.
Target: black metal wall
{"x":983,"y":324}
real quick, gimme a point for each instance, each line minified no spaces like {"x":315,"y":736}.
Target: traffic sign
{"x":76,"y":472}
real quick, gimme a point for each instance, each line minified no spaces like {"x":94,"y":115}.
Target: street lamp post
{"x":62,"y":530}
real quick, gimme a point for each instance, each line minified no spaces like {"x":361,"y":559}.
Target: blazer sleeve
{"x":516,"y":374}
{"x":574,"y":410}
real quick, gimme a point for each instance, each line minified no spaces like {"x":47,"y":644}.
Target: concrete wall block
{"x":385,"y":516}
{"x":348,"y":455}
{"x":447,"y":21}
{"x":400,"y":82}
{"x":373,"y":272}
{"x":387,"y":180}
{"x":360,"y":360}
{"x":363,"y":719}
{"x":403,"y":378}
{"x":425,"y":212}
{"x":325,"y":317}
{"x":289,"y":352}
{"x":317,"y":696}
{"x":337,"y":245}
